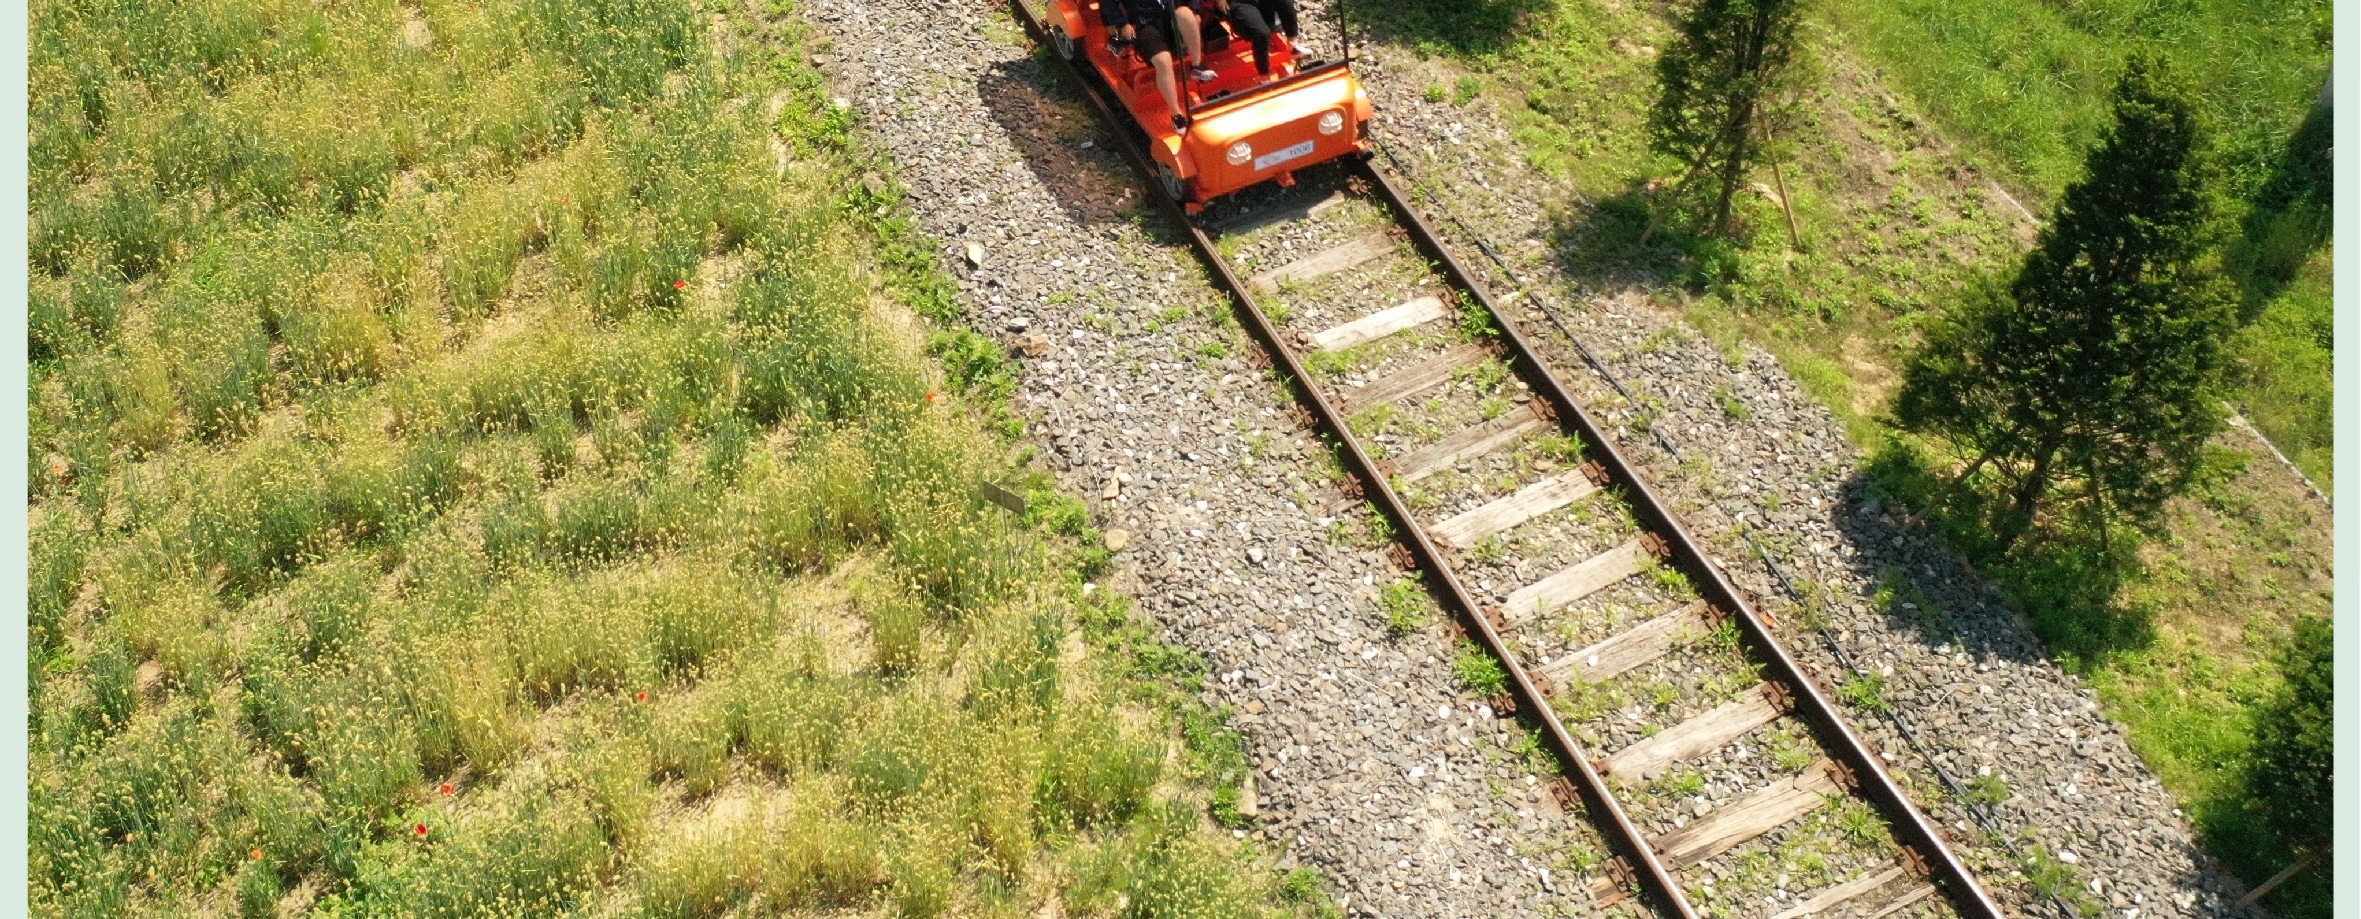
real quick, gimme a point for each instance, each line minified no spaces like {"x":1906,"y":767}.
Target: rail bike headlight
{"x":1240,"y":152}
{"x":1331,"y":122}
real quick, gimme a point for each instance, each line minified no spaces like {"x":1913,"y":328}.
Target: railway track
{"x":1529,"y":526}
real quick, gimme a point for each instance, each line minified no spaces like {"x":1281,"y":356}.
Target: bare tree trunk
{"x":2026,"y":496}
{"x":1737,"y":144}
{"x":2098,"y":500}
{"x":1952,"y":486}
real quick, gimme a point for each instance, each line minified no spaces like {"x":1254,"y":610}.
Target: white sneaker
{"x":1202,"y":75}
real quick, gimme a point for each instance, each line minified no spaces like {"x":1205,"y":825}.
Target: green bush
{"x":2292,"y":768}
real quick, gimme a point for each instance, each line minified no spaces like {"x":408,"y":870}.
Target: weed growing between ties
{"x":482,"y":469}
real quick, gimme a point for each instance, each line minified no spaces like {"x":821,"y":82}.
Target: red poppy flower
{"x":676,"y":285}
{"x":643,"y":695}
{"x":446,"y":789}
{"x":421,"y":829}
{"x":257,"y":854}
{"x":930,"y":397}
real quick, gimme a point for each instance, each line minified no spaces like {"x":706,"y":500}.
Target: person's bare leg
{"x":1192,"y":37}
{"x":1165,"y":84}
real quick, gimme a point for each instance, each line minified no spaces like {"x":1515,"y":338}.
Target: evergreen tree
{"x":2092,"y":382}
{"x":1731,"y":68}
{"x":2292,"y":766}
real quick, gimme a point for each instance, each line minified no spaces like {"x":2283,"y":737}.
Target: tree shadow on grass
{"x":2291,"y":215}
{"x":1466,"y":28}
{"x":1605,"y":243}
{"x":2068,"y":580}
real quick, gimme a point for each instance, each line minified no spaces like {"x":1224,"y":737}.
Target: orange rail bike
{"x":1240,"y":133}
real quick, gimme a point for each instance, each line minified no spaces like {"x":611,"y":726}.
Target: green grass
{"x":1477,"y":671}
{"x":481,"y":475}
{"x":2025,"y":82}
{"x":1404,"y":603}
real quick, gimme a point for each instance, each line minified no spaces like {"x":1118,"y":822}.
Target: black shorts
{"x":1150,"y":39}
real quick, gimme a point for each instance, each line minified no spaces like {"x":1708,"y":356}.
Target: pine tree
{"x":2092,"y":382}
{"x":1731,"y":69}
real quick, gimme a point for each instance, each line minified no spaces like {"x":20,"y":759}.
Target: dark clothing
{"x":1254,"y":18}
{"x":1140,"y":13}
{"x":1149,"y":39}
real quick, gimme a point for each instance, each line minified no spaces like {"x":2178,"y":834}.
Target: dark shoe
{"x":1180,"y":122}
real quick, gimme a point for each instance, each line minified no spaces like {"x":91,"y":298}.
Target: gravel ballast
{"x":1373,"y":765}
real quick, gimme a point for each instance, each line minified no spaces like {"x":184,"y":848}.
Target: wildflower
{"x":676,"y":285}
{"x":446,"y":789}
{"x":643,"y":696}
{"x":930,"y":397}
{"x":256,"y":855}
{"x":421,"y":830}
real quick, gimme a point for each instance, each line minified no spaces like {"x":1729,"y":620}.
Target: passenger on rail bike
{"x":1253,"y":20}
{"x":1148,"y":26}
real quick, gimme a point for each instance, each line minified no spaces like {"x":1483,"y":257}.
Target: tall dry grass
{"x":473,"y":478}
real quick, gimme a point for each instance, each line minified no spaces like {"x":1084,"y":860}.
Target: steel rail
{"x":1919,"y":837}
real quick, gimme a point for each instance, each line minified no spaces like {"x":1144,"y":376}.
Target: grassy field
{"x":488,"y":461}
{"x":1932,"y":123}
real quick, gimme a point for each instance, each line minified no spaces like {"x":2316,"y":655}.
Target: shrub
{"x":531,"y":851}
{"x":1093,"y":774}
{"x":339,"y":335}
{"x":789,"y":717}
{"x":897,"y":628}
{"x":690,"y":740}
{"x":2292,"y":769}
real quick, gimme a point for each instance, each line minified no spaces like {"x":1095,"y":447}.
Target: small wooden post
{"x":1795,"y":240}
{"x":2278,"y":879}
